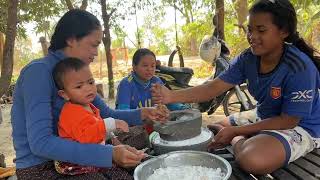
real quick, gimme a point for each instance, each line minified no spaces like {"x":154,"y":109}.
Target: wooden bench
{"x":304,"y":168}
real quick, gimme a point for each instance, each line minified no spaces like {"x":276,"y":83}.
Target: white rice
{"x":187,"y":173}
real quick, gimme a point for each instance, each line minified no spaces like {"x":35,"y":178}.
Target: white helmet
{"x":210,"y":49}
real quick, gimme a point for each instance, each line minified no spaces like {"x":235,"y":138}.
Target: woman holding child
{"x":37,"y":106}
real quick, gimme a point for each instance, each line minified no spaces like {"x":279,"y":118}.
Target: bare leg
{"x":251,"y":153}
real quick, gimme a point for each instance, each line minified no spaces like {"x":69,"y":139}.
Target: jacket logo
{"x":275,"y":92}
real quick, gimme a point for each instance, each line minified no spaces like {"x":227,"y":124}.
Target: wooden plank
{"x":299,"y":173}
{"x":312,"y":158}
{"x":316,"y":152}
{"x":263,"y":177}
{"x":232,"y":177}
{"x":308,"y":166}
{"x":282,"y":174}
{"x":237,"y":172}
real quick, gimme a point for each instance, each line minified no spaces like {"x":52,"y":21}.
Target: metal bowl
{"x":182,"y":158}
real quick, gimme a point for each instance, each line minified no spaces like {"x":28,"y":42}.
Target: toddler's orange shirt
{"x":78,"y":124}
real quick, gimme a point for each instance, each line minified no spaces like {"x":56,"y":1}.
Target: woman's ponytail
{"x":300,"y":43}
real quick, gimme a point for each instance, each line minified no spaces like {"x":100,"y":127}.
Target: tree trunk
{"x":2,"y":39}
{"x":1,"y":119}
{"x":11,"y":31}
{"x":83,"y":6}
{"x":69,"y":4}
{"x":44,"y":45}
{"x":220,"y":18}
{"x":241,"y":7}
{"x":316,"y":36}
{"x":107,"y":44}
{"x":193,"y":46}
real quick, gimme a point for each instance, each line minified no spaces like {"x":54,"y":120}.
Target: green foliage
{"x":24,"y":53}
{"x":235,"y":38}
{"x":156,"y":35}
{"x":197,"y":29}
{"x":3,"y":15}
{"x":14,"y":79}
{"x":161,"y":45}
{"x":32,"y":11}
{"x":203,"y":71}
{"x":117,"y":43}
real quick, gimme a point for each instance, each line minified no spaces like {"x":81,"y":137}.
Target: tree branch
{"x":84,"y":4}
{"x":179,"y":9}
{"x":112,"y":11}
{"x":104,"y":10}
{"x":69,"y":4}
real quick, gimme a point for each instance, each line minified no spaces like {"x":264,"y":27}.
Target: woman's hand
{"x":160,"y":94}
{"x":223,"y":138}
{"x":159,"y":113}
{"x":122,"y":125}
{"x":127,"y":156}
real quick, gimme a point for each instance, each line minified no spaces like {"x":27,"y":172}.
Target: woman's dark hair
{"x":140,"y":53}
{"x":75,"y":23}
{"x":64,"y":66}
{"x":285,"y":18}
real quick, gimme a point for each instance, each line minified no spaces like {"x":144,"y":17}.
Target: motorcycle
{"x":216,"y":52}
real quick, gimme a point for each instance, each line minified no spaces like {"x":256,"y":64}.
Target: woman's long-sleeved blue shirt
{"x":35,"y":113}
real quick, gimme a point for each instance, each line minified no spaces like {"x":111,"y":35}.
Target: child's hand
{"x":155,"y":114}
{"x":164,"y":112}
{"x":122,"y":125}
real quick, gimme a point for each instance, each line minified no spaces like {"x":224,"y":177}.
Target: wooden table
{"x":304,"y":168}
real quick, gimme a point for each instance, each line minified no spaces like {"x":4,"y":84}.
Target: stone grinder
{"x":183,"y":131}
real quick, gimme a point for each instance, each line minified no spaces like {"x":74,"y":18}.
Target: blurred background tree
{"x":144,"y":23}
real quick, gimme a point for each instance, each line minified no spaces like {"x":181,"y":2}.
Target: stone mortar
{"x":182,"y":125}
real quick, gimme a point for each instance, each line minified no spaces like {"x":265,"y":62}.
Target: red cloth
{"x":148,"y":128}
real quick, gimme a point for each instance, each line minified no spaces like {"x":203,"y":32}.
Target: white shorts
{"x":297,"y":141}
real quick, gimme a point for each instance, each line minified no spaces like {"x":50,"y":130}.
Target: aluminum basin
{"x":182,"y":158}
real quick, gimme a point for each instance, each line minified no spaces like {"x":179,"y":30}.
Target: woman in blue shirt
{"x":134,"y":90}
{"x":37,"y":105}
